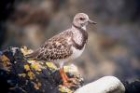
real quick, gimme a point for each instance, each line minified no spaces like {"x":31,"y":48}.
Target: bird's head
{"x":81,"y":20}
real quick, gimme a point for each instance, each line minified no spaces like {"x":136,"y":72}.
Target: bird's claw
{"x":72,"y":83}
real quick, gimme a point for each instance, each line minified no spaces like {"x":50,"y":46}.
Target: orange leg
{"x":64,"y":76}
{"x":66,"y":80}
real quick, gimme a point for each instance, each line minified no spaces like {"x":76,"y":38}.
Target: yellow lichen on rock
{"x":51,"y":65}
{"x":36,"y":66}
{"x":31,"y":75}
{"x":64,"y":89}
{"x":25,"y":50}
{"x":27,"y":67}
{"x":37,"y":85}
{"x":5,"y":62}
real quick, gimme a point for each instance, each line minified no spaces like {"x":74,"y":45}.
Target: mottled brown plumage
{"x":54,"y":49}
{"x":66,"y":45}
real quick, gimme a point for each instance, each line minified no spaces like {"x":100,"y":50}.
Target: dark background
{"x":113,"y":46}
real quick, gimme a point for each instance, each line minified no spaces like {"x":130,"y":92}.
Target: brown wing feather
{"x":54,"y":49}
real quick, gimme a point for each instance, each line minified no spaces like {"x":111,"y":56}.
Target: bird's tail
{"x":32,"y":55}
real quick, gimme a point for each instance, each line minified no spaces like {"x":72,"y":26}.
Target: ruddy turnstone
{"x":66,"y":45}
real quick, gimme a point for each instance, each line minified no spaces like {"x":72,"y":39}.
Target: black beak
{"x":92,"y":22}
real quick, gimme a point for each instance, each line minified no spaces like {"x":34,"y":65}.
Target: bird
{"x":65,"y":46}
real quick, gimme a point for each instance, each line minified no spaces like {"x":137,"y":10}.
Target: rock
{"x":107,"y":84}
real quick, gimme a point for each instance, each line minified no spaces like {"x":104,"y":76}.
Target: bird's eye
{"x":81,"y":18}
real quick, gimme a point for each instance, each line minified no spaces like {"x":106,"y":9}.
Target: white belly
{"x":76,"y":53}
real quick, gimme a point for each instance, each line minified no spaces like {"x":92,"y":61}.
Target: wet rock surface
{"x":19,"y":75}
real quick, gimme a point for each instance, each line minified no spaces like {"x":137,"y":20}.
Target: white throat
{"x":84,"y":27}
{"x":77,"y":35}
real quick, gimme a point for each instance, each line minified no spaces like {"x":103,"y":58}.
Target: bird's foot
{"x":71,"y":83}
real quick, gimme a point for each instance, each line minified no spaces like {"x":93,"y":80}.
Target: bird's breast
{"x":76,"y":52}
{"x":79,"y":40}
